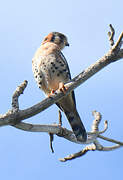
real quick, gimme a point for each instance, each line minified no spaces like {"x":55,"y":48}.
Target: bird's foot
{"x":62,"y":87}
{"x":51,"y":93}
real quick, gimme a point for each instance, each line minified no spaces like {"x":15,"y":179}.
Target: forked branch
{"x":95,"y":146}
{"x":15,"y":116}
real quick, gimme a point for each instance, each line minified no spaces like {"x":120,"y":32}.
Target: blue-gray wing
{"x":64,"y":61}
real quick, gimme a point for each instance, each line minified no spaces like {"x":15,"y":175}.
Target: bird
{"x":51,"y":72}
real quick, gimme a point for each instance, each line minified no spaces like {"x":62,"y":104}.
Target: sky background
{"x":23,"y":25}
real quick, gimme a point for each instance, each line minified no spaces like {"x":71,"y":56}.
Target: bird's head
{"x":57,"y":38}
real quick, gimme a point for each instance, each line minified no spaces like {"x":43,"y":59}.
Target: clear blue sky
{"x":23,"y":25}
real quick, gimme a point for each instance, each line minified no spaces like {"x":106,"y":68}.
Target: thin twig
{"x":19,"y":90}
{"x":118,"y":44}
{"x":51,"y":142}
{"x":111,"y":35}
{"x":60,"y":118}
{"x":105,"y":127}
{"x":96,"y":121}
{"x":110,"y":148}
{"x":110,"y":140}
{"x":88,"y":148}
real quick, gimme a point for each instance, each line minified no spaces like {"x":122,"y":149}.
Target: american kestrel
{"x":51,"y":71}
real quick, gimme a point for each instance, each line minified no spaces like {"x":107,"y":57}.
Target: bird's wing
{"x":64,"y":61}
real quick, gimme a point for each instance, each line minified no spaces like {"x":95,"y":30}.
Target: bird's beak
{"x":67,"y":44}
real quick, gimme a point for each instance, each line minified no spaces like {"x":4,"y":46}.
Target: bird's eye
{"x":46,"y":39}
{"x":52,"y":38}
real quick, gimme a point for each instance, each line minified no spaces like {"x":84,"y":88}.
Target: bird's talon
{"x":62,"y":87}
{"x":51,"y":93}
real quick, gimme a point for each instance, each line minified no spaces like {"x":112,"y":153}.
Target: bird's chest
{"x":50,"y":70}
{"x":53,"y":72}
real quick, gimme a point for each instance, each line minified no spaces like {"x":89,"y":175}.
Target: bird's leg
{"x":62,"y":87}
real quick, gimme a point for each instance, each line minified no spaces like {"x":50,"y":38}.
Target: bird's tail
{"x":76,"y":125}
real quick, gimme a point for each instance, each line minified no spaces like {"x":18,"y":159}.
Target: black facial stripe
{"x":62,"y":38}
{"x":58,"y":37}
{"x":53,"y":38}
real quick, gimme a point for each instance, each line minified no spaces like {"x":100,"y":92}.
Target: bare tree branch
{"x":88,"y":148}
{"x":9,"y":117}
{"x":95,"y":146}
{"x":14,"y":116}
{"x":110,"y":140}
{"x":114,"y":54}
{"x":51,"y":142}
{"x":111,"y":35}
{"x":19,"y":90}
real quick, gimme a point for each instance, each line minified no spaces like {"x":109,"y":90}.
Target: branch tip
{"x":96,"y":121}
{"x":19,"y":90}
{"x":111,"y":34}
{"x":60,"y":118}
{"x":88,"y":148}
{"x":51,"y":142}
